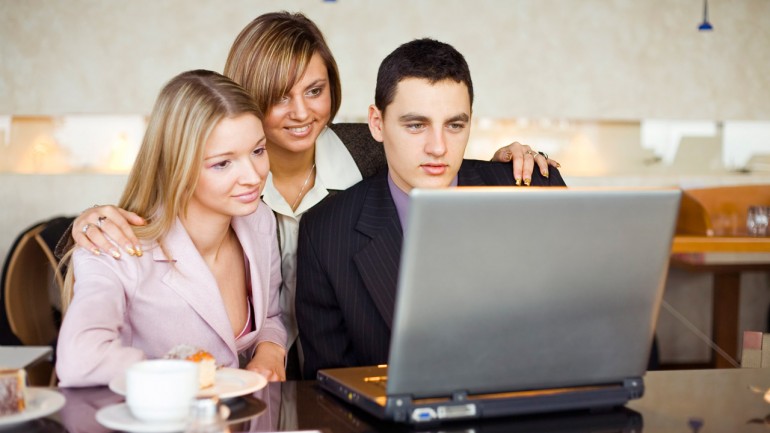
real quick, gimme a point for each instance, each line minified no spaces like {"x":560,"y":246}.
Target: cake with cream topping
{"x":207,"y":366}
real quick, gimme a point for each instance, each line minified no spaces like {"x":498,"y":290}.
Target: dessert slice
{"x":13,"y":386}
{"x":207,"y":366}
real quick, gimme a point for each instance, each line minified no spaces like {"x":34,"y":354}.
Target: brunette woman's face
{"x":295,"y":122}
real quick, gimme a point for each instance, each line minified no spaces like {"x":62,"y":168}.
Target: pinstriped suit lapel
{"x":191,"y":279}
{"x":378,"y":261}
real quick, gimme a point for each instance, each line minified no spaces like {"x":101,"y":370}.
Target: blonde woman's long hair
{"x":169,"y":161}
{"x":271,"y":54}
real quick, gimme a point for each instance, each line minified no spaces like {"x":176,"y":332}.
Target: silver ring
{"x":100,"y":220}
{"x":85,"y":228}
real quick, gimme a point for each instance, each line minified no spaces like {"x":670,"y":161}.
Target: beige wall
{"x":587,"y":59}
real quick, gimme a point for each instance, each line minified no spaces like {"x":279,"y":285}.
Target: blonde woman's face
{"x":235,"y":167}
{"x":294,"y":123}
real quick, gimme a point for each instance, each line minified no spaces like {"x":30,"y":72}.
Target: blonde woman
{"x":283,"y":61}
{"x":210,"y":272}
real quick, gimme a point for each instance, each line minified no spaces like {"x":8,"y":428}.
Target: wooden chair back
{"x":30,"y":276}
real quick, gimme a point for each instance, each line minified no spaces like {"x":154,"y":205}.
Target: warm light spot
{"x":122,"y":154}
{"x":584,"y":156}
{"x":72,"y":143}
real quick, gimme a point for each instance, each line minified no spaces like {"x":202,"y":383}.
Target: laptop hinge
{"x":399,"y":406}
{"x":635,"y":387}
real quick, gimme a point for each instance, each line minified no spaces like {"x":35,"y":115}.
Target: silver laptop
{"x":520,"y":300}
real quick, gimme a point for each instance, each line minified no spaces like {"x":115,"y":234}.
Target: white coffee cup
{"x":161,"y":390}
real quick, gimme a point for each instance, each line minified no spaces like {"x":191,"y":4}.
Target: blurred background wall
{"x":588,"y":59}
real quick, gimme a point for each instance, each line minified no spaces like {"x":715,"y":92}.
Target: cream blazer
{"x":131,"y":309}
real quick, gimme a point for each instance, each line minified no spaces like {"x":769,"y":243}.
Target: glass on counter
{"x":757,"y":220}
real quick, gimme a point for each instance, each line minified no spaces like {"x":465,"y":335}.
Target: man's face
{"x":424,"y":131}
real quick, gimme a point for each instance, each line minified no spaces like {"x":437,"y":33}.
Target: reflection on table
{"x":255,"y":412}
{"x":675,"y":401}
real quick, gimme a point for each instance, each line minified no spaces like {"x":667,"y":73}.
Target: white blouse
{"x":335,"y":170}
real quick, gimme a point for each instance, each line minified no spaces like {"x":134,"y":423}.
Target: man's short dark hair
{"x":421,"y":58}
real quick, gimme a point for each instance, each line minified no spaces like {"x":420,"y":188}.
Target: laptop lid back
{"x":505,"y":289}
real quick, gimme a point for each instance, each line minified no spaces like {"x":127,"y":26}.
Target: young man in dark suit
{"x":350,"y":245}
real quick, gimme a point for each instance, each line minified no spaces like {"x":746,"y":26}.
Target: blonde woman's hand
{"x":269,"y":361}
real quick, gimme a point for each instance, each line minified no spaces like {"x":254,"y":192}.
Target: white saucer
{"x":40,"y":402}
{"x":228,"y":382}
{"x":118,"y":417}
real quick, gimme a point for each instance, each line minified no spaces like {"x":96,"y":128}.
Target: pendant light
{"x":705,"y":26}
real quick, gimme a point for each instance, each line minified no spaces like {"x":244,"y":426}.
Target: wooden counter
{"x":709,"y":244}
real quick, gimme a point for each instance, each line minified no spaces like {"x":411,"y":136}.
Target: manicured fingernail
{"x":558,"y":165}
{"x":130,"y":250}
{"x":544,"y":173}
{"x":527,"y":181}
{"x":96,"y":251}
{"x":115,"y":253}
{"x":518,"y":182}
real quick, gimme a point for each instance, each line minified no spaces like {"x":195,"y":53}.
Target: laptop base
{"x":461,"y":406}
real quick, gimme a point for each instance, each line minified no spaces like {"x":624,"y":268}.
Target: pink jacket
{"x":130,"y":309}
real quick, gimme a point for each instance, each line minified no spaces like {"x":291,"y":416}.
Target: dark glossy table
{"x":675,"y":401}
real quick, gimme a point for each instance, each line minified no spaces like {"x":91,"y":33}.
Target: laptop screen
{"x":506,"y":289}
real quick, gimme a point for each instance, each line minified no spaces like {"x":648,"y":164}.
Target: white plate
{"x":118,"y":417}
{"x":40,"y":402}
{"x":228,"y":382}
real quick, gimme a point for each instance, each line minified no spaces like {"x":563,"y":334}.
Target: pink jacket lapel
{"x":256,"y":243}
{"x":192,"y":280}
